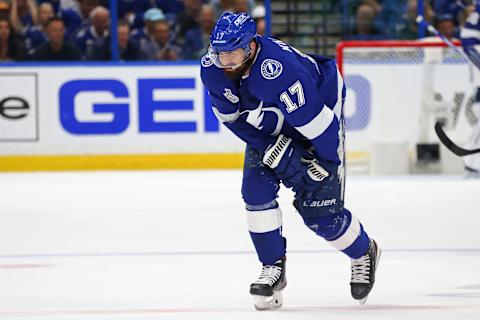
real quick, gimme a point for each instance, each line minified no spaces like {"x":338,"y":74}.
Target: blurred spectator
{"x":454,"y":8}
{"x":35,"y":35}
{"x":197,"y":40}
{"x":258,"y":14}
{"x":150,"y":17}
{"x":55,"y":4}
{"x":4,"y":7}
{"x":133,"y":10}
{"x":364,"y":23}
{"x":12,"y":47}
{"x":391,"y":17}
{"x":126,"y":9}
{"x":57,"y":48}
{"x":90,"y":40}
{"x":364,"y":19}
{"x":188,"y":19}
{"x":23,"y":13}
{"x":409,"y":29}
{"x":397,"y":19}
{"x":75,"y":20}
{"x":160,"y":46}
{"x":445,"y":24}
{"x":68,"y":4}
{"x":87,"y":6}
{"x":243,"y":6}
{"x":376,"y":5}
{"x":128,"y":49}
{"x":221,"y":6}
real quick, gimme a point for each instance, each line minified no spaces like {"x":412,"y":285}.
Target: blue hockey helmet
{"x":232,"y":31}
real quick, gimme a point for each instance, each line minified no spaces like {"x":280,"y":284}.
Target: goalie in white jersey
{"x":470,"y":36}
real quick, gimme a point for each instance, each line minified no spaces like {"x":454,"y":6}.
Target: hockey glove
{"x":284,"y":157}
{"x":315,"y":173}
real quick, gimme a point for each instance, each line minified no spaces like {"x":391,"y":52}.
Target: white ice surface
{"x":174,"y":245}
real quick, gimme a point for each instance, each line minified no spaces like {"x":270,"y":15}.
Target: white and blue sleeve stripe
{"x":317,"y":125}
{"x":226,"y":117}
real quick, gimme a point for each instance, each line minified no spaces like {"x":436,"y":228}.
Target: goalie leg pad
{"x":472,"y":162}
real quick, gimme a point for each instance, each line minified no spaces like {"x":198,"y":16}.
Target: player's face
{"x":234,"y":63}
{"x":45,"y":12}
{"x":232,"y":59}
{"x":56,"y":31}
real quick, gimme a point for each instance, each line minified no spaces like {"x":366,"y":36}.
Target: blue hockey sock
{"x":270,"y":246}
{"x":265,"y":228}
{"x":343,"y":231}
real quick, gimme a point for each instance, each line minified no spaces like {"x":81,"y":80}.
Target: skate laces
{"x":361,"y":269}
{"x":270,"y":274}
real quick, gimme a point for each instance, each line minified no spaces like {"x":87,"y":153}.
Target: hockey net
{"x":396,"y":90}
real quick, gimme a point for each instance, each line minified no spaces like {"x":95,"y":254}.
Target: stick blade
{"x":459,"y":151}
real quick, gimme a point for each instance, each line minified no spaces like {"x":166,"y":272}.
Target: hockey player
{"x":470,"y":36}
{"x":287,"y":107}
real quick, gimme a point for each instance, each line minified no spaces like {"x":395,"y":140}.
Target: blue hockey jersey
{"x":470,"y":36}
{"x":286,"y":92}
{"x":34,"y":37}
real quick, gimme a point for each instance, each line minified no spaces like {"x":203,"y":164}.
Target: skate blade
{"x":362,"y":301}
{"x":268,"y":303}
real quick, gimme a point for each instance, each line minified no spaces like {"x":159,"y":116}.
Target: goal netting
{"x":396,"y":92}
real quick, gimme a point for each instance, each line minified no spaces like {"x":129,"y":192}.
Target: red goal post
{"x":395,"y":91}
{"x":385,"y":44}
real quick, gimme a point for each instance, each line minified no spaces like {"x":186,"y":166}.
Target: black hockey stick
{"x":459,"y":151}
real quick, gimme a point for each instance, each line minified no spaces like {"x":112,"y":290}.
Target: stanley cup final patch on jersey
{"x":206,"y":61}
{"x":230,"y":96}
{"x":271,"y":69}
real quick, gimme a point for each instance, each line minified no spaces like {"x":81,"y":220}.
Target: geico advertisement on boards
{"x":165,"y":109}
{"x":112,"y":109}
{"x":18,"y":107}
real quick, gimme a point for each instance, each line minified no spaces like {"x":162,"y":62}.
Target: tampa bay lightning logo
{"x":206,"y":61}
{"x":271,"y":69}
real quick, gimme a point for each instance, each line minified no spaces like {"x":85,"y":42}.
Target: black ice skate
{"x":363,"y":272}
{"x":266,"y":290}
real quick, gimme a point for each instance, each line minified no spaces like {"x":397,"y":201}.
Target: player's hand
{"x":284,"y":157}
{"x":315,"y":173}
